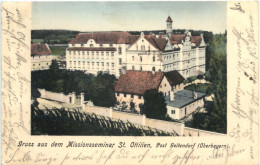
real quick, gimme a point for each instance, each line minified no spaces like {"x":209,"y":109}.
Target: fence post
{"x":144,"y":117}
{"x":110,"y":112}
{"x":82,"y":100}
{"x":73,"y":97}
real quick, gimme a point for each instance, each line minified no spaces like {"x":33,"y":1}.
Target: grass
{"x":38,"y":40}
{"x":202,"y":88}
{"x":63,"y":122}
{"x":58,"y":50}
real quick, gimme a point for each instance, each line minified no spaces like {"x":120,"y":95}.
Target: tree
{"x":132,"y":106}
{"x":154,"y":104}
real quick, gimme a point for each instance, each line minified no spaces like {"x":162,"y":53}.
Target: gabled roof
{"x":102,"y":38}
{"x":174,"y":77}
{"x":40,"y":49}
{"x":178,"y":38}
{"x":169,"y":19}
{"x":158,"y":43}
{"x":137,"y":82}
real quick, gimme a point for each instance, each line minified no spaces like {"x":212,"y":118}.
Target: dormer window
{"x":101,"y":45}
{"x":82,"y":45}
{"x":73,"y":44}
{"x":143,"y":48}
{"x":111,"y":45}
{"x":91,"y":45}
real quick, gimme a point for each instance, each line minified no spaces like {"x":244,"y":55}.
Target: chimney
{"x":195,"y":95}
{"x":171,"y":96}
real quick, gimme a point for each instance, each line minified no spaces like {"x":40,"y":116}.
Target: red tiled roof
{"x":102,"y":38}
{"x":137,"y":82}
{"x":174,"y":77}
{"x":177,"y":39}
{"x":40,"y":49}
{"x":91,"y":49}
{"x":158,"y":43}
{"x":169,"y":19}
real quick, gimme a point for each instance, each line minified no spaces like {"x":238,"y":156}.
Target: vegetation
{"x":202,"y":88}
{"x":99,"y":89}
{"x":154,"y":105}
{"x":53,"y":36}
{"x":58,"y":50}
{"x":62,"y":122}
{"x":216,"y":118}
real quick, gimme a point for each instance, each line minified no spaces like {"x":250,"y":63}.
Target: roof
{"x":90,"y":49}
{"x":178,"y":38}
{"x":158,"y":43}
{"x":169,"y":19}
{"x":174,"y":77}
{"x":40,"y":49}
{"x":183,"y":98}
{"x":137,"y":82}
{"x":102,"y":38}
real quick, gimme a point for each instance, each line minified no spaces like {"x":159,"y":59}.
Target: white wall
{"x":41,"y":62}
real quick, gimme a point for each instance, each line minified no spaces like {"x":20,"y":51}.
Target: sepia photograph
{"x":128,"y":68}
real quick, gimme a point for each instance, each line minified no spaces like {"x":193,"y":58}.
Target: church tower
{"x":169,"y":26}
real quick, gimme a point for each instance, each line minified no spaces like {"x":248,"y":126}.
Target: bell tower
{"x":169,"y":26}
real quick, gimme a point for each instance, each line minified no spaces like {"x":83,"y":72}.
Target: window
{"x":112,"y":53}
{"x":107,"y":64}
{"x":111,"y":45}
{"x":97,"y":53}
{"x":173,"y":111}
{"x":120,"y":61}
{"x":133,"y":58}
{"x":103,"y":64}
{"x":33,"y":64}
{"x":124,"y":95}
{"x":87,"y":53}
{"x":153,"y":58}
{"x":82,"y":45}
{"x":69,"y":52}
{"x":141,"y":68}
{"x":132,"y":96}
{"x":73,"y":44}
{"x":143,"y":48}
{"x":91,"y":45}
{"x":79,"y":62}
{"x":139,"y":97}
{"x":117,"y":94}
{"x":120,"y":71}
{"x":119,"y":50}
{"x":46,"y":63}
{"x":153,"y":68}
{"x":101,"y":45}
{"x":74,"y":52}
{"x":133,"y":67}
{"x":141,"y":58}
{"x":83,"y":52}
{"x":112,"y":64}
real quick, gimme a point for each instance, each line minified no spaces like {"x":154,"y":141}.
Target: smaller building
{"x":132,"y":85}
{"x":183,"y":103}
{"x":41,"y":56}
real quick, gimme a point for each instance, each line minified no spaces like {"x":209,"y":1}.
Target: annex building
{"x":41,"y":56}
{"x":114,"y":51}
{"x":132,"y":85}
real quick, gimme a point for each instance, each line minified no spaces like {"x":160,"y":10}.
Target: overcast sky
{"x":126,"y":16}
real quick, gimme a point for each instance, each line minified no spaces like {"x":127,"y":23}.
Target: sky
{"x":129,"y":16}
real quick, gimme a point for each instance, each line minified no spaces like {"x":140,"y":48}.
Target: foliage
{"x":216,"y":65}
{"x":200,"y":77}
{"x":96,"y":88}
{"x":202,"y":88}
{"x":62,"y":122}
{"x":58,"y":50}
{"x":154,"y":104}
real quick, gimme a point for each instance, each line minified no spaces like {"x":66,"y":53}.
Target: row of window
{"x":89,"y":52}
{"x":93,"y":63}
{"x":141,"y":58}
{"x":132,"y":96}
{"x":40,"y":64}
{"x":141,"y":68}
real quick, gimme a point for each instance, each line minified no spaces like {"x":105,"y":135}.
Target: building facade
{"x":41,"y":56}
{"x":132,"y":85}
{"x":114,"y":51}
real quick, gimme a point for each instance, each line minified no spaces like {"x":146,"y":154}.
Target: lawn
{"x":202,"y":88}
{"x":58,"y":50}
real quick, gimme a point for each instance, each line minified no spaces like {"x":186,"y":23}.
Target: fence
{"x":167,"y":126}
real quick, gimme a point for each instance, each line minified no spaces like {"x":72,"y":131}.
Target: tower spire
{"x":169,"y":26}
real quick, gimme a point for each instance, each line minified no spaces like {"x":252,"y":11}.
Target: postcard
{"x":120,"y":82}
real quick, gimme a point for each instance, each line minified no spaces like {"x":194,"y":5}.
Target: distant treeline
{"x":64,"y":36}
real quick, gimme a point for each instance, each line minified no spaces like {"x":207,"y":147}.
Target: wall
{"x":98,"y":110}
{"x":165,"y":87}
{"x":128,"y":99}
{"x":133,"y":118}
{"x":41,"y":62}
{"x":197,"y":132}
